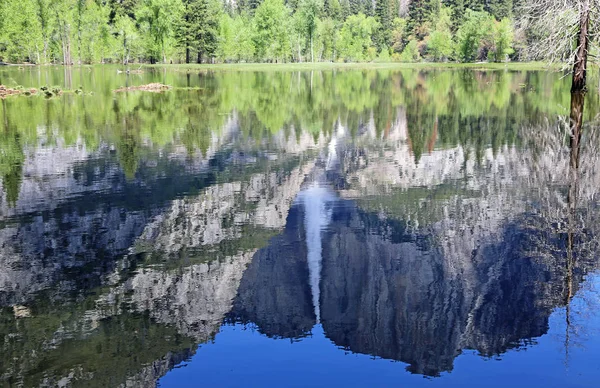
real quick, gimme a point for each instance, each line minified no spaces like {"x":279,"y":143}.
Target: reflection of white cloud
{"x":317,"y":216}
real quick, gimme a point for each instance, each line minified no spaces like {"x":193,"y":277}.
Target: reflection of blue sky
{"x":243,"y":357}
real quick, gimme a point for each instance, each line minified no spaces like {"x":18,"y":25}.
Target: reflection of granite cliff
{"x":429,"y":273}
{"x":183,"y":284}
{"x":274,"y":292}
{"x":395,"y":293}
{"x":401,"y":297}
{"x":73,"y":221}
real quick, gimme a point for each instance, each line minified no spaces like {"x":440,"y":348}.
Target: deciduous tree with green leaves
{"x":356,"y":37}
{"x":271,"y":31}
{"x":440,"y":45}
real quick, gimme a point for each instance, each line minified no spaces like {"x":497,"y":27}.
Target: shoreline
{"x":307,"y":66}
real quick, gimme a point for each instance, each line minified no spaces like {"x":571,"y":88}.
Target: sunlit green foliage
{"x":502,"y":39}
{"x":271,"y":35}
{"x":411,"y":52}
{"x":356,"y":38}
{"x":440,"y":45}
{"x":471,"y":34}
{"x":207,"y":31}
{"x":20,"y":32}
{"x":157,"y":18}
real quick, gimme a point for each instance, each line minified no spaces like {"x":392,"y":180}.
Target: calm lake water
{"x":362,"y":228}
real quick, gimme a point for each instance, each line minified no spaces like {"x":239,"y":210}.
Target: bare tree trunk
{"x":125,"y":53}
{"x":576,"y":122}
{"x":581,"y":53}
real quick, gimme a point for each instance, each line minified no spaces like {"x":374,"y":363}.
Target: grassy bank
{"x":307,"y":66}
{"x":358,"y":66}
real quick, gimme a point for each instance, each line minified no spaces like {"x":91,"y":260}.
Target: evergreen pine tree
{"x":198,"y":29}
{"x":355,"y":6}
{"x":500,"y":9}
{"x":458,"y":12}
{"x":368,"y":7}
{"x":394,"y":9}
{"x":420,"y":12}
{"x":382,"y":15}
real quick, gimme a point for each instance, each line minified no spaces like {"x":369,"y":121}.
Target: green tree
{"x":42,"y":9}
{"x":458,"y":13}
{"x":471,"y":34}
{"x":383,"y":17}
{"x":440,"y":44}
{"x":420,"y":15}
{"x":309,"y":12}
{"x":411,"y":52}
{"x":62,"y":13}
{"x":226,"y":48}
{"x":128,"y":39}
{"x":21,"y":32}
{"x":94,"y":34}
{"x":500,"y":9}
{"x":356,"y":37}
{"x":327,"y":35}
{"x":243,"y":38}
{"x":502,"y":39}
{"x":198,"y":28}
{"x":156,"y":19}
{"x":271,"y":35}
{"x":335,"y":10}
{"x":398,"y":34}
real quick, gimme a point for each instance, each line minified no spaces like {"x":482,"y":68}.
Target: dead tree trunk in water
{"x":581,"y":52}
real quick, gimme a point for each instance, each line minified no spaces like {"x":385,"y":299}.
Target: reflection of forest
{"x":458,"y":245}
{"x":444,"y":109}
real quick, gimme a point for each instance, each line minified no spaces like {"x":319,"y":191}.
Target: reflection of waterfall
{"x":316,"y":218}
{"x":332,"y":155}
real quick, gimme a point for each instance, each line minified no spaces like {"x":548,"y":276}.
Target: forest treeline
{"x":208,"y":31}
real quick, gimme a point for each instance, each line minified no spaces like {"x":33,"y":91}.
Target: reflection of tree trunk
{"x":576,"y":127}
{"x":4,"y":114}
{"x":68,"y":79}
{"x":580,"y":65}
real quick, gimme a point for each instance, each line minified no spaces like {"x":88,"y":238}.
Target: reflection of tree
{"x":127,"y":143}
{"x":471,"y":107}
{"x":564,"y":218}
{"x":11,"y":158}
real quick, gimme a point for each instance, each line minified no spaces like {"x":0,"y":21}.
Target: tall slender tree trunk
{"x":583,"y":39}
{"x":186,"y":32}
{"x":125,"y":53}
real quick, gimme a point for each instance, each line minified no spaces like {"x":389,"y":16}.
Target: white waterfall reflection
{"x":332,"y":149}
{"x":317,"y":215}
{"x":317,"y":200}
